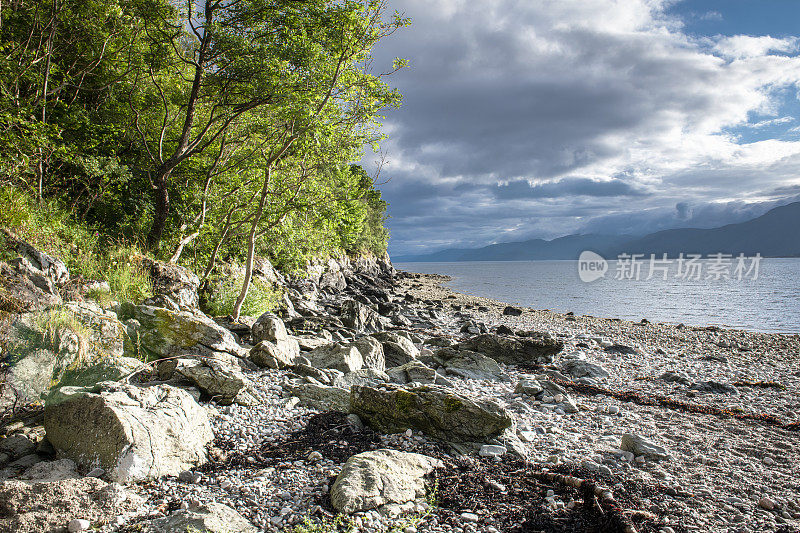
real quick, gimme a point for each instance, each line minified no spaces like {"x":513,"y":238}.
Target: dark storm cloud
{"x":605,"y":106}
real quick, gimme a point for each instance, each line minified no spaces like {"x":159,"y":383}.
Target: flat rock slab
{"x":372,"y":479}
{"x":536,"y":348}
{"x":210,"y":518}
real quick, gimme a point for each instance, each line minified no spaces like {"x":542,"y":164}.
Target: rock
{"x":78,"y":524}
{"x":432,"y":409}
{"x":360,"y":317}
{"x":375,"y":478}
{"x":323,"y":397}
{"x":39,"y":506}
{"x":51,"y":269}
{"x":302,"y":369}
{"x":492,"y":450}
{"x":269,"y":327}
{"x":219,"y":380}
{"x":344,"y":357}
{"x":365,"y":376}
{"x":538,"y":348}
{"x":175,"y":282}
{"x":442,"y":342}
{"x":17,"y":446}
{"x":413,"y":371}
{"x":397,"y":349}
{"x":209,"y":518}
{"x":766,"y":503}
{"x":676,"y":377}
{"x":583,"y":369}
{"x":640,"y":446}
{"x":277,"y":355}
{"x":133,"y":433}
{"x":512,"y":311}
{"x":620,"y":349}
{"x":531,"y":387}
{"x":163,"y":333}
{"x":502,"y":329}
{"x":371,"y":352}
{"x":470,"y":365}
{"x":714,"y":387}
{"x":312,"y":342}
{"x":104,"y":369}
{"x":20,"y":294}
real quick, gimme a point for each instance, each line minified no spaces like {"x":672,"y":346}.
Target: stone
{"x":579,"y":368}
{"x":639,"y":446}
{"x":365,"y":376}
{"x":217,"y":379}
{"x":413,"y":371}
{"x":208,"y":518}
{"x":78,"y":524}
{"x":51,"y":471}
{"x":177,"y":283}
{"x":537,"y":348}
{"x":162,"y":333}
{"x":17,"y":446}
{"x":276,"y":355}
{"x":530,"y":387}
{"x":37,"y":506}
{"x":512,"y":311}
{"x":133,"y":433}
{"x":322,"y":397}
{"x":371,"y":352}
{"x":19,"y":293}
{"x":620,"y":349}
{"x":360,"y":317}
{"x":371,"y":479}
{"x":104,"y":369}
{"x":470,"y":365}
{"x":676,"y":377}
{"x":337,"y":355}
{"x":492,"y":450}
{"x":435,"y":410}
{"x":397,"y":349}
{"x":269,"y":327}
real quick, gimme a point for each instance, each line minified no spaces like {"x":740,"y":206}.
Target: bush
{"x":262,"y":297}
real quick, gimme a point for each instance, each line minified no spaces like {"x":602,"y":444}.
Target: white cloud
{"x":542,"y":90}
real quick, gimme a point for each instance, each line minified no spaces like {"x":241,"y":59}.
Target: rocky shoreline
{"x":382,"y":401}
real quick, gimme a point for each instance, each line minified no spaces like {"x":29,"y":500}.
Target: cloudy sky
{"x":541,"y":118}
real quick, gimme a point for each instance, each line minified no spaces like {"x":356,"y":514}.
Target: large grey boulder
{"x":360,"y":317}
{"x":323,"y":397}
{"x":371,"y":352}
{"x":217,"y":379}
{"x":209,"y":518}
{"x":133,"y":433}
{"x":160,"y":332}
{"x":578,"y":368}
{"x":174,"y":282}
{"x":375,"y":478}
{"x":537,"y":348}
{"x":103,"y":369}
{"x":470,"y":365}
{"x":397,"y":349}
{"x":432,"y":409}
{"x":274,"y":347}
{"x":344,"y":357}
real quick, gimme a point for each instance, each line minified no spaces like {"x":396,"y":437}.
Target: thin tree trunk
{"x":161,"y":210}
{"x":251,"y":245}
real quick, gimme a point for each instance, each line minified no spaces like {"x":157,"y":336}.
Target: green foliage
{"x":338,"y":524}
{"x":262,"y":297}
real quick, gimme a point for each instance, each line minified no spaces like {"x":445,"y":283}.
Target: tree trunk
{"x":161,"y":211}
{"x":251,"y":245}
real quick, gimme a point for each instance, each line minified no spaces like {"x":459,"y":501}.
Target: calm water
{"x":771,"y":302}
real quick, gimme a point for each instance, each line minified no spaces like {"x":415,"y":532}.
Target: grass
{"x":52,"y":228}
{"x":262,"y":297}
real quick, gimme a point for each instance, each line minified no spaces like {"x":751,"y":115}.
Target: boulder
{"x":208,"y":518}
{"x":538,"y":348}
{"x":360,"y":317}
{"x":162,"y":333}
{"x":512,"y":311}
{"x":323,"y":397}
{"x":217,"y":379}
{"x":365,"y":376}
{"x":432,"y":409}
{"x":579,"y":368}
{"x":530,"y":387}
{"x":46,"y":506}
{"x":105,"y":369}
{"x":714,"y":387}
{"x":344,"y":357}
{"x":638,"y":445}
{"x":397,"y":349}
{"x":133,"y":433}
{"x":371,"y":352}
{"x":277,"y":355}
{"x":269,"y":327}
{"x":470,"y":365}
{"x":413,"y":371}
{"x":174,"y":282}
{"x":19,"y":293}
{"x":375,"y":478}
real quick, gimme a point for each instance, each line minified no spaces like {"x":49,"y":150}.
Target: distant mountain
{"x":568,"y":247}
{"x":774,"y":234}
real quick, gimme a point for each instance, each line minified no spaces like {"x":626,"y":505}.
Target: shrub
{"x":262,"y":297}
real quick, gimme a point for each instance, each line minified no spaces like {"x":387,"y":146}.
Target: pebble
{"x":78,"y":524}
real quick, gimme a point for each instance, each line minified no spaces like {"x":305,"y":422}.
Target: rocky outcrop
{"x":372,"y":479}
{"x":208,"y":518}
{"x":339,"y":356}
{"x":20,"y":294}
{"x":397,"y":349}
{"x":371,"y":352}
{"x":361,"y":317}
{"x":538,"y":348}
{"x":133,"y":433}
{"x":274,"y":347}
{"x":434,"y":410}
{"x":103,"y":369}
{"x":172,"y":281}
{"x":159,"y":332}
